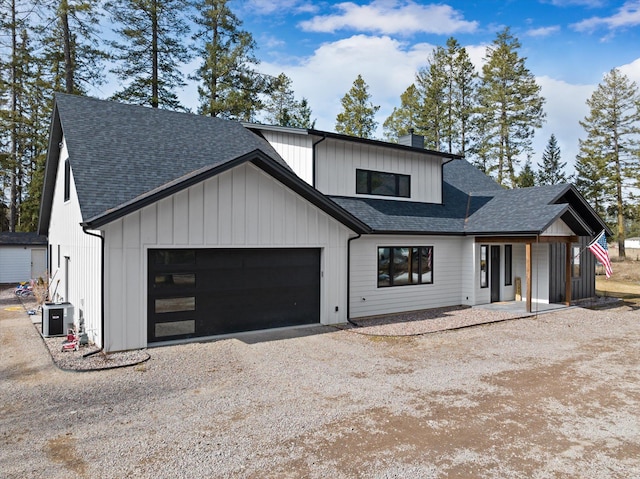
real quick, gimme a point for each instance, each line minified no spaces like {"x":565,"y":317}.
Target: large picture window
{"x":383,"y":184}
{"x":401,"y":266}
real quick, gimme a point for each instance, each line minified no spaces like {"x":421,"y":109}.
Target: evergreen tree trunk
{"x":619,"y":202}
{"x":13,"y":161}
{"x":155,"y":94}
{"x":66,"y":36}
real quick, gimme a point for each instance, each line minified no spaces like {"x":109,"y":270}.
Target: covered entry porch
{"x":564,"y":242}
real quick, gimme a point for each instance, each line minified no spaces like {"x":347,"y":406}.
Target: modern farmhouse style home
{"x":166,"y":226}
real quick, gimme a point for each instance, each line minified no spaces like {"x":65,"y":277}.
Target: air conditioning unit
{"x":56,"y":319}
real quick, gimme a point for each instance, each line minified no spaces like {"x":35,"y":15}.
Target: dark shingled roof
{"x":119,"y":152}
{"x":474,"y":204}
{"x":22,"y":239}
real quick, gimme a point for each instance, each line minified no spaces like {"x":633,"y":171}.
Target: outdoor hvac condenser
{"x":56,"y":319}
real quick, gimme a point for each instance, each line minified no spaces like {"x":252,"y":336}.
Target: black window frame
{"x":484,"y":266}
{"x":508,"y":265}
{"x":369,"y":188}
{"x":576,"y":266}
{"x":67,"y":180}
{"x":421,"y":252}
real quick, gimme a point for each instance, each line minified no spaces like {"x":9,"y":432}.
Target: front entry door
{"x":495,"y":273}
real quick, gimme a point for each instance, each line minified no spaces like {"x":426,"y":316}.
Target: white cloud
{"x":386,"y":65}
{"x":268,"y":7}
{"x":565,"y":107}
{"x":632,"y":71}
{"x":543,"y":31}
{"x":401,"y":17}
{"x":627,"y":16}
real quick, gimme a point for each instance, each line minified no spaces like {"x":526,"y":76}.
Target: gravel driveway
{"x":557,"y":396}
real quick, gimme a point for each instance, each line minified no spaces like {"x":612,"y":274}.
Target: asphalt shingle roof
{"x":22,"y":239}
{"x":473,"y":204}
{"x":119,"y":152}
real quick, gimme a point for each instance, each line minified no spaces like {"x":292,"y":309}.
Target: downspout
{"x":313,"y":160}
{"x":84,"y":229}
{"x":349,"y":279}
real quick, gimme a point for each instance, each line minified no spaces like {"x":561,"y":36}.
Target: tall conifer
{"x":357,"y":117}
{"x":510,"y":105}
{"x":151,"y":52}
{"x":611,"y":148}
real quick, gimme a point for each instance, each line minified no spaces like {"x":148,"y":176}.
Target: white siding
{"x":337,"y":161}
{"x":539,"y":270}
{"x":369,"y":300}
{"x":558,"y":228}
{"x":67,"y":240}
{"x":243,"y":208}
{"x":15,"y":264}
{"x":295,"y":149}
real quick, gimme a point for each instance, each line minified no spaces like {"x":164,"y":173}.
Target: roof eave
{"x":50,"y":171}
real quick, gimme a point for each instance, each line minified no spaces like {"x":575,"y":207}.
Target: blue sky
{"x":322,"y":46}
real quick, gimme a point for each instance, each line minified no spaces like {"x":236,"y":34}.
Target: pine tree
{"x":446,"y":90}
{"x":229,"y":86}
{"x":611,"y":147}
{"x":510,"y":104}
{"x":16,"y":124}
{"x":405,"y":117}
{"x":527,"y":176}
{"x":357,"y":117}
{"x":551,"y":171}
{"x":151,"y":52}
{"x":283,"y":109}
{"x":302,"y":116}
{"x":465,"y":79}
{"x":433,"y":83}
{"x":71,"y":46}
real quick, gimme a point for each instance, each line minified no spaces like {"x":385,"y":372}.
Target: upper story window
{"x":383,"y":184}
{"x":67,"y":180}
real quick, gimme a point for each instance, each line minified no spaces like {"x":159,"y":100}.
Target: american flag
{"x":600,"y":250}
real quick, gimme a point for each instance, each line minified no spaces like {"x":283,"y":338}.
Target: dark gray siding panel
{"x":582,"y":287}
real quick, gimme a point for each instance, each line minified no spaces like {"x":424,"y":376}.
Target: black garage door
{"x":205,"y":292}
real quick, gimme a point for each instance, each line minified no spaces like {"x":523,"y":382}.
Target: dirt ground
{"x":557,"y":396}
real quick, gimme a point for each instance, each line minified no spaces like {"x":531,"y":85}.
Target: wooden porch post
{"x":529,"y":280}
{"x":567,"y":286}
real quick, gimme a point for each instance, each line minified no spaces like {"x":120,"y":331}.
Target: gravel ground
{"x":552,"y":396}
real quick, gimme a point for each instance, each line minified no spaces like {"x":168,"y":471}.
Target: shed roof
{"x":8,"y":238}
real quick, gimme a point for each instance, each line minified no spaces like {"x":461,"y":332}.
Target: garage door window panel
{"x":175,"y":328}
{"x":175,"y":305}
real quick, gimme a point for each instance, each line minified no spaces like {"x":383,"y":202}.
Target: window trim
{"x":420,"y":249}
{"x":397,"y":188}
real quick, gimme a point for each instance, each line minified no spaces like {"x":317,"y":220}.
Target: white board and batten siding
{"x":367,"y":299}
{"x":558,"y":228}
{"x":337,"y":162}
{"x":296,"y":149}
{"x":539,"y":270}
{"x":240,"y":208}
{"x":76,"y":257}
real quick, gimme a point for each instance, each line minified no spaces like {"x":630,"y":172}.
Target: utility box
{"x":56,"y":319}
